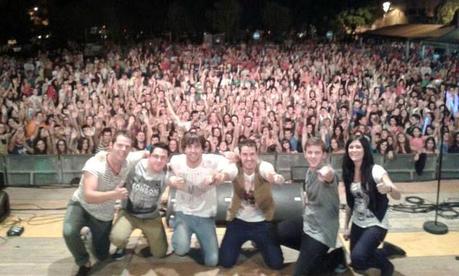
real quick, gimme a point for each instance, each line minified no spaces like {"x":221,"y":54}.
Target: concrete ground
{"x":41,"y":249}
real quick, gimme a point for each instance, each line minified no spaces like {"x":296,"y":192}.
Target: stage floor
{"x":41,"y":249}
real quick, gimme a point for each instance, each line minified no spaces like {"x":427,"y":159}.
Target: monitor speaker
{"x":4,"y":206}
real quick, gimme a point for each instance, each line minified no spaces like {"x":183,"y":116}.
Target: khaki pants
{"x":153,"y":230}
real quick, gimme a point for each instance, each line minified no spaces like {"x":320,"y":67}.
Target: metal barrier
{"x":34,"y":170}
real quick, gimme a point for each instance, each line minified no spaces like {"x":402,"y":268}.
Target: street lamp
{"x":386,"y":6}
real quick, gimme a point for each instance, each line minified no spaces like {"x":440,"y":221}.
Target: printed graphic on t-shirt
{"x":360,"y":203}
{"x":144,"y":194}
{"x":248,"y":198}
{"x":197,"y":187}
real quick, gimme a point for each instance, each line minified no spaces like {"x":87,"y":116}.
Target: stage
{"x":41,"y":250}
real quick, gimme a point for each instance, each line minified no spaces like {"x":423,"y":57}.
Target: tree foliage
{"x":446,"y":11}
{"x":353,"y":18}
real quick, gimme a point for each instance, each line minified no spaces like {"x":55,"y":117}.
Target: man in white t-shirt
{"x":194,"y":176}
{"x":93,"y":203}
{"x":252,"y":209}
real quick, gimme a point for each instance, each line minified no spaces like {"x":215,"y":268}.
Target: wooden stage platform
{"x":41,"y":249}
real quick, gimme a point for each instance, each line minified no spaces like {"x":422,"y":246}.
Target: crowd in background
{"x":65,"y":103}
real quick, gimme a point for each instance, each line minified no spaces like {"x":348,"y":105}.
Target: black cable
{"x":417,"y":205}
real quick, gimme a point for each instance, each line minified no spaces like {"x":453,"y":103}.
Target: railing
{"x":35,"y":170}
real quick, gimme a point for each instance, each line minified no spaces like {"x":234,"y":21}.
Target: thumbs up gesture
{"x":121,"y":192}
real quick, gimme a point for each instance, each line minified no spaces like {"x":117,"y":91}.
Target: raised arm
{"x":388,"y":187}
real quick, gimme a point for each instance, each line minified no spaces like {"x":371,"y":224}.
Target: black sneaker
{"x":388,"y":270}
{"x":339,"y":258}
{"x":392,"y":251}
{"x":145,"y":252}
{"x":119,"y":254}
{"x":83,"y":270}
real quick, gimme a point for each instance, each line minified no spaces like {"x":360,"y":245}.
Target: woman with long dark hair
{"x":367,"y":186}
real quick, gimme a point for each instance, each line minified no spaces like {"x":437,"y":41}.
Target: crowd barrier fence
{"x":36,"y":170}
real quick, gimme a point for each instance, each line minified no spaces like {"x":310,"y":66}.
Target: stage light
{"x":256,"y":35}
{"x":386,"y":6}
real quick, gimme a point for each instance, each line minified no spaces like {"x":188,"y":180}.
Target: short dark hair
{"x":191,"y":138}
{"x":160,"y":145}
{"x":247,"y":143}
{"x":107,"y":129}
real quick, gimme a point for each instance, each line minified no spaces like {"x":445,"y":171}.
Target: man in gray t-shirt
{"x":145,"y":184}
{"x":316,"y":233}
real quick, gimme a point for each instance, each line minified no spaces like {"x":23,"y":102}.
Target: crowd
{"x":278,"y":96}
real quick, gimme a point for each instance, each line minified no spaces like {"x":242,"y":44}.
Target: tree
{"x":225,"y":17}
{"x":276,"y":18}
{"x":353,"y":18}
{"x":446,"y":11}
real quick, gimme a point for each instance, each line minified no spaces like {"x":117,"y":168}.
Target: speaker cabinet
{"x":4,"y":206}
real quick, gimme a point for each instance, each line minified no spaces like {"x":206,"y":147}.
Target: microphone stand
{"x":436,"y":227}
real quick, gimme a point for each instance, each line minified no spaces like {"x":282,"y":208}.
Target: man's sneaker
{"x":393,"y":251}
{"x":119,"y":254}
{"x":83,"y":270}
{"x":145,"y":252}
{"x":340,"y":269}
{"x":339,"y":258}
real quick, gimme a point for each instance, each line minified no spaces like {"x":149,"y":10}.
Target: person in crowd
{"x":402,"y":144}
{"x":251,"y":210}
{"x":145,"y":185}
{"x":40,"y":147}
{"x":367,"y":187}
{"x":194,"y":176}
{"x":336,"y":147}
{"x":93,"y":203}
{"x":430,"y":146}
{"x":84,"y":146}
{"x":454,"y":147}
{"x":4,"y":139}
{"x":104,"y":140}
{"x":95,"y":95}
{"x":316,"y":231}
{"x":385,"y":150}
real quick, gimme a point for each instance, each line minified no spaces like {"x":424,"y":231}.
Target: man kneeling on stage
{"x":252,"y":209}
{"x":145,"y":184}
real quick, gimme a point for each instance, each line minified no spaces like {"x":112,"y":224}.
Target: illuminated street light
{"x":386,"y":6}
{"x":35,"y":8}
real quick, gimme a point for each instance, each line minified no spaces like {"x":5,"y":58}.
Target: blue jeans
{"x":204,"y":228}
{"x":76,"y":218}
{"x":239,"y":231}
{"x":364,"y":249}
